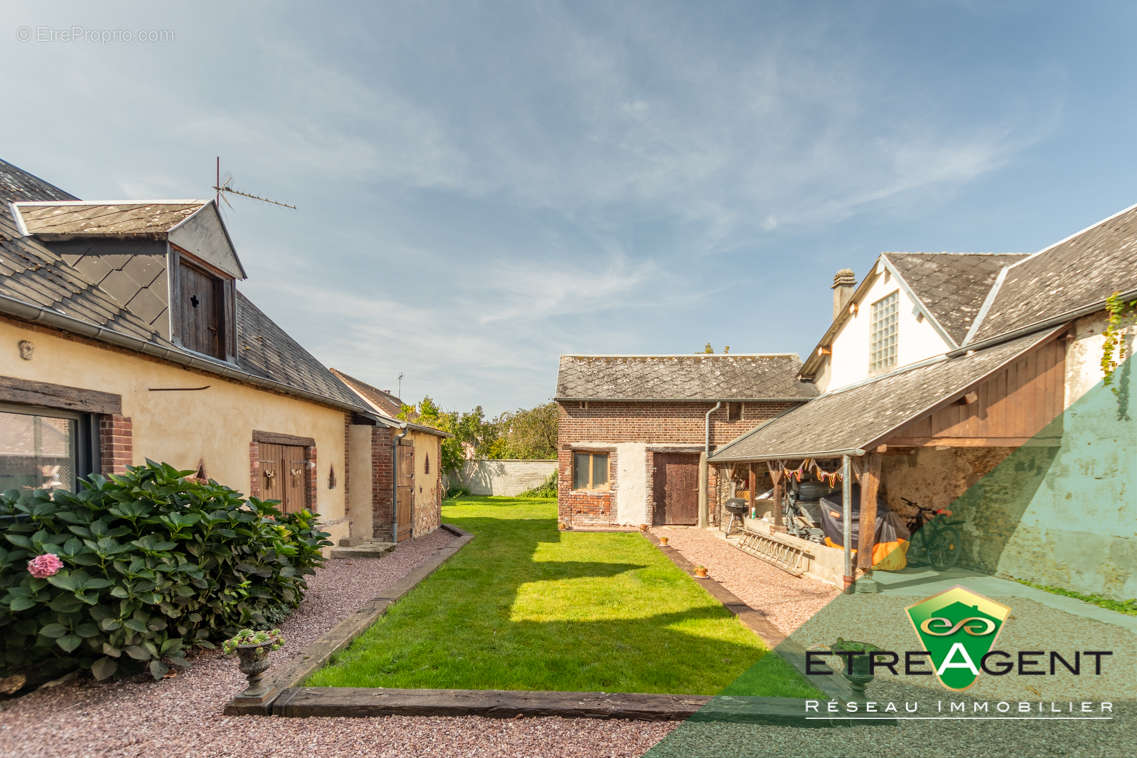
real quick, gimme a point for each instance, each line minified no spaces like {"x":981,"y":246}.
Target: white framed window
{"x":41,"y":448}
{"x":590,"y":471}
{"x":883,"y":328}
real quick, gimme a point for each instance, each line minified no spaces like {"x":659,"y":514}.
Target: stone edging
{"x":834,"y":686}
{"x":343,"y":633}
{"x":376,"y":701}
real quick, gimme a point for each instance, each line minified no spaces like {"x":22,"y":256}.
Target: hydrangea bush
{"x":134,"y":570}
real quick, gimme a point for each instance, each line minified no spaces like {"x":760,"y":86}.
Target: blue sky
{"x":484,"y":186}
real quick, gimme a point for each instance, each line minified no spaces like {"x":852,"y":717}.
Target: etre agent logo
{"x":957,"y":628}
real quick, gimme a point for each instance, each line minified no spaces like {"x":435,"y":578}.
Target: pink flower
{"x":43,"y":566}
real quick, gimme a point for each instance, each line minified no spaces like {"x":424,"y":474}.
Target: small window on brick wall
{"x":734,"y":411}
{"x":590,"y":471}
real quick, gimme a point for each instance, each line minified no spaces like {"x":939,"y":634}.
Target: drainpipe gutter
{"x":395,"y":481}
{"x":704,"y":476}
{"x":707,"y":429}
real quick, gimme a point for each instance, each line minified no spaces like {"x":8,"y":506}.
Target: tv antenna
{"x":223,"y":188}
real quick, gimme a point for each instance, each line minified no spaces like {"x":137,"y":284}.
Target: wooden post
{"x":751,"y":484}
{"x":779,"y":478}
{"x":870,"y":485}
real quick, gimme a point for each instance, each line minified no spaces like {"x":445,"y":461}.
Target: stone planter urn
{"x":859,"y":674}
{"x":701,"y":572}
{"x":663,"y":541}
{"x":253,"y":662}
{"x":643,"y":527}
{"x":252,"y":649}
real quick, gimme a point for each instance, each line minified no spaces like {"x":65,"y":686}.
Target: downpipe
{"x":704,"y":469}
{"x":395,"y":482}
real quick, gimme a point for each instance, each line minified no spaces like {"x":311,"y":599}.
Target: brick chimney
{"x":844,"y":282}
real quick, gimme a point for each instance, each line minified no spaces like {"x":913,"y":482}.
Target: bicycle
{"x":935,"y":537}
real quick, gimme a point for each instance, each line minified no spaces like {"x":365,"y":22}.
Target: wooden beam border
{"x":59,"y":396}
{"x":274,"y":438}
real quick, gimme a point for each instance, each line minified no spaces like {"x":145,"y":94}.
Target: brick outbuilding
{"x":634,"y":428}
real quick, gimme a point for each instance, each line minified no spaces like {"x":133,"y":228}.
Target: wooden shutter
{"x":284,"y":475}
{"x":202,"y":311}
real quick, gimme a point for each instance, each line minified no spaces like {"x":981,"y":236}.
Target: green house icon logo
{"x":957,"y":628}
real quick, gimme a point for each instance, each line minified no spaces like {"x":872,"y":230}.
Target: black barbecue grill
{"x":737,"y":508}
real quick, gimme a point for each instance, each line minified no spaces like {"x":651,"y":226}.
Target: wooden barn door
{"x":284,"y":476}
{"x":404,"y":509}
{"x":676,"y":488}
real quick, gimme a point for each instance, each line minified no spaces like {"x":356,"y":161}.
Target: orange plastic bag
{"x":890,"y":556}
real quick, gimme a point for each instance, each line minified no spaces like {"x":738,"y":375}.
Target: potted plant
{"x":860,"y":673}
{"x":663,"y":541}
{"x":701,"y":572}
{"x":643,"y":527}
{"x":252,"y":649}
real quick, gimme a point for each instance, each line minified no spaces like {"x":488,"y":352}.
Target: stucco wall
{"x":632,"y":494}
{"x":428,"y":482}
{"x":212,"y":426}
{"x":917,"y":339}
{"x":507,"y":478}
{"x":359,"y":491}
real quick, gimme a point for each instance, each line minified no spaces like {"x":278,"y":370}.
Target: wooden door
{"x":676,"y":488}
{"x":201,"y":311}
{"x":405,"y":493}
{"x":284,"y":476}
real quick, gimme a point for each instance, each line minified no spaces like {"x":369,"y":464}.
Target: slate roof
{"x":952,"y":286}
{"x":33,"y":274}
{"x":133,"y":272}
{"x":382,"y":401}
{"x":266,"y":350}
{"x":17,"y":184}
{"x":125,"y":219}
{"x":857,"y":417}
{"x":1080,"y":271}
{"x":681,"y":377}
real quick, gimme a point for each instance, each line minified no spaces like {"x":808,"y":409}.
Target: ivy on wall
{"x":1115,"y":349}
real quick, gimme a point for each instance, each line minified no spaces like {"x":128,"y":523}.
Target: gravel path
{"x":788,"y":601}
{"x":182,"y":716}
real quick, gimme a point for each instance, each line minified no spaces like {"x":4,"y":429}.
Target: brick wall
{"x":255,"y":470}
{"x":116,"y":443}
{"x":383,"y":480}
{"x":596,"y":424}
{"x":346,"y":466}
{"x":584,"y":507}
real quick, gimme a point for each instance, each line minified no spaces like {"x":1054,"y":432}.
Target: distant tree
{"x":524,"y":433}
{"x":708,"y":350}
{"x":429,"y":414}
{"x":529,"y":433}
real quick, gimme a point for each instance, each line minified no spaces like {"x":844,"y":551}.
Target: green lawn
{"x":526,"y":607}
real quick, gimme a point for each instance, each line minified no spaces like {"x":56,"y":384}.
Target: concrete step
{"x":373,"y":549}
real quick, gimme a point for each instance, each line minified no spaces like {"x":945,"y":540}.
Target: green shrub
{"x":548,"y":488}
{"x":154,"y":564}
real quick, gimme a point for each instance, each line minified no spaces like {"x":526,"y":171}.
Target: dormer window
{"x":883,"y":333}
{"x":203,"y":312}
